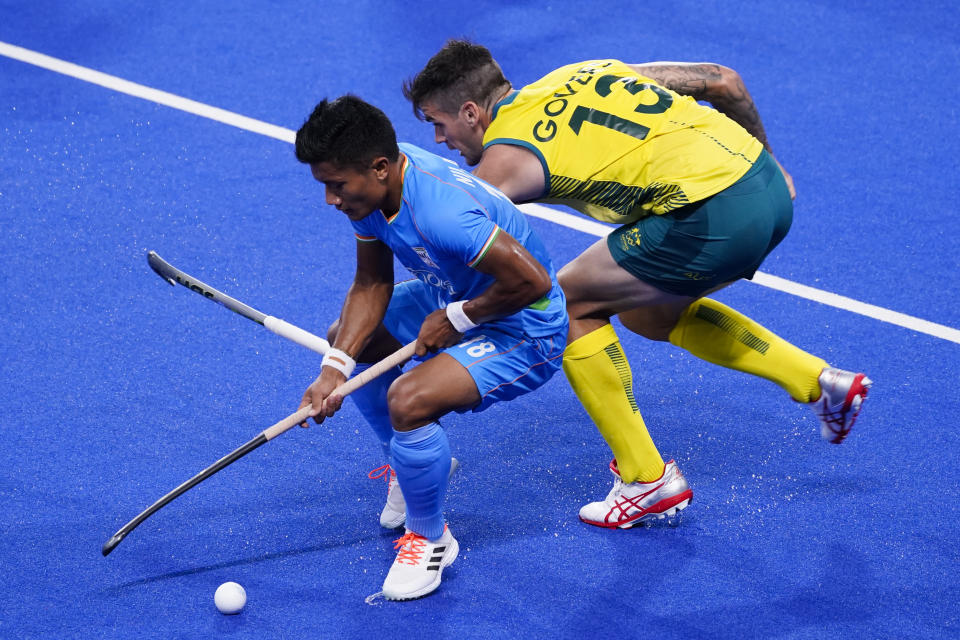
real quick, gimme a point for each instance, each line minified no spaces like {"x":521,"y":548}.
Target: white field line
{"x":578,"y":223}
{"x":140,"y":91}
{"x":595,"y":228}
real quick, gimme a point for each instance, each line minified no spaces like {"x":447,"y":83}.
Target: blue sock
{"x":371,"y":400}
{"x":421,"y":459}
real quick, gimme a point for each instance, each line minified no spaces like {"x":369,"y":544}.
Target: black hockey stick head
{"x":174,"y":276}
{"x":111,"y":544}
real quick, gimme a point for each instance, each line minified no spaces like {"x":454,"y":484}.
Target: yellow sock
{"x":716,"y":333}
{"x":599,"y":373}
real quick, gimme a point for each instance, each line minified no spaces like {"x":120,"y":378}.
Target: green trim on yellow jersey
{"x":616,"y":146}
{"x":532,"y":149}
{"x":510,"y":97}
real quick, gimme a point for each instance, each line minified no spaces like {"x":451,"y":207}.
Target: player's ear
{"x":380,"y":166}
{"x":470,"y":112}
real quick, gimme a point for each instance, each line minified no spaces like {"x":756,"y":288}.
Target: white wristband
{"x":339,"y":360}
{"x":458,"y":318}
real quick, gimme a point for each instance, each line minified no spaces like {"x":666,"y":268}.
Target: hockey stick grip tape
{"x":396,"y":358}
{"x":296,"y":334}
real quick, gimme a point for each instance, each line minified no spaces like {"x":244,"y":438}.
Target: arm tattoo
{"x":739,"y":107}
{"x":707,"y":82}
{"x":686,"y":79}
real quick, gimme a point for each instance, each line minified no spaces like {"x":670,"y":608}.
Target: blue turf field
{"x":117,"y":387}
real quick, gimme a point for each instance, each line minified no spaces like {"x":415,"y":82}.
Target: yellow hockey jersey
{"x":616,"y":146}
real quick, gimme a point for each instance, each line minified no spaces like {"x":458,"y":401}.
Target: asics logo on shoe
{"x":625,"y":504}
{"x":628,"y":504}
{"x":842,"y":394}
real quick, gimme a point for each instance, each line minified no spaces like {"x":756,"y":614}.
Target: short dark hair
{"x":347,"y":132}
{"x":460,"y":72}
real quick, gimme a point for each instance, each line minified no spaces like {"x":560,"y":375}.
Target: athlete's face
{"x":460,"y":131}
{"x":353,"y":191}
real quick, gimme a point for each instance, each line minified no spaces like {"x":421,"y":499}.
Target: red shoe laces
{"x":412,"y":547}
{"x":381,"y":472}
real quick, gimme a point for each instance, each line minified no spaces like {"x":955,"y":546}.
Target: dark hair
{"x":347,"y":132}
{"x":460,"y":72}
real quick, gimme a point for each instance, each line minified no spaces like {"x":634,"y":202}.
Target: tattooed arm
{"x":720,"y":86}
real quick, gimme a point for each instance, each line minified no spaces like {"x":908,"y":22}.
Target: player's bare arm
{"x":721,"y":86}
{"x":363,"y":309}
{"x":519,"y":281}
{"x":367,"y":299}
{"x":514,"y":170}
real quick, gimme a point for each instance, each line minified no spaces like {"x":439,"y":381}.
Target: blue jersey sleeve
{"x":363,"y":230}
{"x":464,"y":236}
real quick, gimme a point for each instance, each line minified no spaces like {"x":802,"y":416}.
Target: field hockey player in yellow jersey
{"x":700,"y":201}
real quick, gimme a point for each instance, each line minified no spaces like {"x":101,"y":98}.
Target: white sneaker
{"x":842,"y":394}
{"x":636,"y":502}
{"x":394,"y":512}
{"x":419,"y":564}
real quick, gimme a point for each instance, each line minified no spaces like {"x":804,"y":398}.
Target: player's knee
{"x":409,"y":405}
{"x":576,"y":305}
{"x":568,"y":281}
{"x":651,"y":326}
{"x":660,"y":333}
{"x":582,"y":303}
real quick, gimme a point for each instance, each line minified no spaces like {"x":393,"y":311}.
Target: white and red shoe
{"x":842,"y":395}
{"x":419,"y":565}
{"x":629,"y":504}
{"x":394,"y":512}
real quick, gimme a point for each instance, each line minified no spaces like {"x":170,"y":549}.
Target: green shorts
{"x":725,"y":237}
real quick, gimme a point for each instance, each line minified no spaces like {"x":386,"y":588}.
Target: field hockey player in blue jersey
{"x":485,"y":309}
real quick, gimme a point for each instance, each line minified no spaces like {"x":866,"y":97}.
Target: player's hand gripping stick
{"x":348,"y":387}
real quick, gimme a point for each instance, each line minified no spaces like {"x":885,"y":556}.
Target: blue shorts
{"x":503,"y":363}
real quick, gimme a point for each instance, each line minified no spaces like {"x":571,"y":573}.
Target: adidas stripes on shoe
{"x":419,"y":565}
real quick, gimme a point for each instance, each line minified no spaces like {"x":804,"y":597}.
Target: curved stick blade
{"x":111,"y":544}
{"x":175,"y":276}
{"x":226,"y":460}
{"x":159,"y":266}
